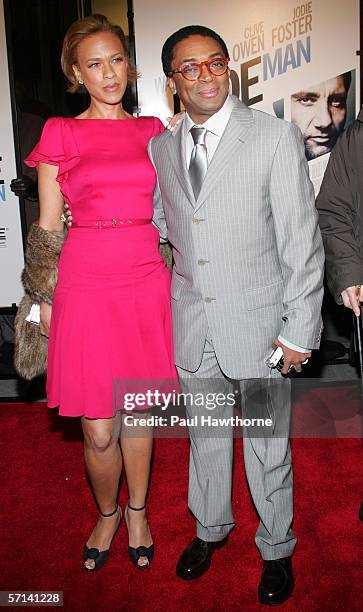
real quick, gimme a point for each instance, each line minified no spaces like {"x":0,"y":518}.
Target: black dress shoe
{"x":196,"y":558}
{"x":277,"y":581}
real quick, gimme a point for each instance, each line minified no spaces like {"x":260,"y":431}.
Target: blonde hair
{"x":78,"y":31}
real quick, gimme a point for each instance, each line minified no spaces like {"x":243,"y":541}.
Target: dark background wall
{"x":35,"y":31}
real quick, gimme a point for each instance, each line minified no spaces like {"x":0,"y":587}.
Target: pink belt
{"x":100,"y":224}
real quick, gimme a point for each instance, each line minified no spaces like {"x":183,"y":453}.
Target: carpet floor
{"x":48,"y":513}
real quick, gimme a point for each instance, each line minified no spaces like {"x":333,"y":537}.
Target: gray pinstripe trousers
{"x":267,"y":459}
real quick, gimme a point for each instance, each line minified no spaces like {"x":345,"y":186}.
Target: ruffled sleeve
{"x":56,"y":147}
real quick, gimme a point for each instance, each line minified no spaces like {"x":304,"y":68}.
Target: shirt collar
{"x":216,"y":123}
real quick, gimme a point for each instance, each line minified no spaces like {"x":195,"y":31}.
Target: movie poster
{"x":11,"y":244}
{"x":295,"y":60}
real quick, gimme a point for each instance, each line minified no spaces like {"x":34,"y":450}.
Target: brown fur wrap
{"x":167,"y":255}
{"x":39,"y":278}
{"x":40,"y":274}
{"x":31,"y":348}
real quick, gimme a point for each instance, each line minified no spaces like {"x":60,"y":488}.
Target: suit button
{"x":202,"y":262}
{"x":209,"y":299}
{"x":196,"y":220}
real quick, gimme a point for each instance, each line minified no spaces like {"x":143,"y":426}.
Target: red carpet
{"x":48,"y":512}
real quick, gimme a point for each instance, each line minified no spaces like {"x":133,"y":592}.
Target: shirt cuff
{"x":292,"y":346}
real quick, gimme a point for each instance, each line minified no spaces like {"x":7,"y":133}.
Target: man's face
{"x":320,"y":114}
{"x":204,"y":97}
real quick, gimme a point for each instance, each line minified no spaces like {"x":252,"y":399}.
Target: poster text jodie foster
{"x":290,"y":44}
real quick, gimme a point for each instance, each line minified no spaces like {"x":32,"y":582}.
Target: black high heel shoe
{"x":100,"y":556}
{"x":141,"y":551}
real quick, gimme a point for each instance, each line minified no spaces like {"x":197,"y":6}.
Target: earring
{"x":80,"y":82}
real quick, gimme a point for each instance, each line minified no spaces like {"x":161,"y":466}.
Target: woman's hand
{"x":67,"y":216}
{"x":174,"y":121}
{"x":45,"y":316}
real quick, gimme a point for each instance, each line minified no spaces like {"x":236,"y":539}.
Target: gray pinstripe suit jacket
{"x":248,"y":253}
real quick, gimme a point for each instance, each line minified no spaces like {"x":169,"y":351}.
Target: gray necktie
{"x":199,"y":161}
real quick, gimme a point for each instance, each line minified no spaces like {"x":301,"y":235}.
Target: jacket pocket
{"x":260,"y":297}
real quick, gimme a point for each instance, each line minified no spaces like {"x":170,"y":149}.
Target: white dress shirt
{"x":216,"y":124}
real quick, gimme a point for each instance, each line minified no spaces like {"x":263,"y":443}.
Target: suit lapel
{"x":177,"y":158}
{"x":235,"y":135}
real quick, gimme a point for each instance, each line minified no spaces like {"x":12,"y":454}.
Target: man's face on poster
{"x":320,"y":113}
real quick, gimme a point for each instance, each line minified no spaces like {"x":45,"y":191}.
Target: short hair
{"x":78,"y":31}
{"x":347,"y":79}
{"x":167,"y":53}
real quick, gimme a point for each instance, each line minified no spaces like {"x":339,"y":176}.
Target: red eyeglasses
{"x":192,"y":71}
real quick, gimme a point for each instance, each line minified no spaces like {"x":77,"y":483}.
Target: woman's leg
{"x":103,"y":462}
{"x":136,"y":445}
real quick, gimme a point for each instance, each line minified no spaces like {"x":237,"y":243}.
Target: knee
{"x":99,"y":442}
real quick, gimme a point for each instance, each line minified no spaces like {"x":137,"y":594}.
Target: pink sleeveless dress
{"x":111,"y":314}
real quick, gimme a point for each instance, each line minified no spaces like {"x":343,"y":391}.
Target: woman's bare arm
{"x":50,"y":198}
{"x":51,"y":208}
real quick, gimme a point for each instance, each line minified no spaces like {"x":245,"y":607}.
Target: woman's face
{"x":102,"y":66}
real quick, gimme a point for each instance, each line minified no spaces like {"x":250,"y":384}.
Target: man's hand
{"x":352,"y":296}
{"x":68,"y":215}
{"x":24,"y":187}
{"x":291,"y":357}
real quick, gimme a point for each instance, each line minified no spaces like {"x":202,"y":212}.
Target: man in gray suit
{"x":235,"y":201}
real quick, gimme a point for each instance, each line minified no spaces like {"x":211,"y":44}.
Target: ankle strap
{"x":136,"y":509}
{"x":106,"y":514}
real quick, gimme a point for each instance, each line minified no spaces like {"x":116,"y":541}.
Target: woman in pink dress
{"x":110,"y":317}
